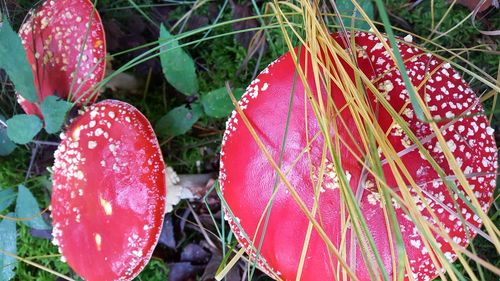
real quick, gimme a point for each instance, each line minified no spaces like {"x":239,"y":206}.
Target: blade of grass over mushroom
{"x":15,"y":63}
{"x":417,"y":142}
{"x":409,"y":87}
{"x":464,"y":200}
{"x":276,"y":181}
{"x":82,"y":56}
{"x":407,"y":197}
{"x":226,"y":207}
{"x":418,"y":190}
{"x":459,"y":194}
{"x":289,"y":45}
{"x":319,"y":111}
{"x":292,"y":190}
{"x":393,"y":221}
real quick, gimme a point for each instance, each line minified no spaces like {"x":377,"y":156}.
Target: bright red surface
{"x":109,"y":189}
{"x":53,"y":37}
{"x":247,"y":178}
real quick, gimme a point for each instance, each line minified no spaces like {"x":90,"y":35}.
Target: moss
{"x":154,"y":271}
{"x":30,"y":247}
{"x":13,"y":167}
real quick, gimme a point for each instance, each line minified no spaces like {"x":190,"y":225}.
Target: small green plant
{"x":180,"y":72}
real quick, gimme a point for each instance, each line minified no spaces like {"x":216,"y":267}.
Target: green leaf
{"x":22,"y":128}
{"x":54,"y":112}
{"x":15,"y":63}
{"x":217,"y":103}
{"x":6,"y":145}
{"x":8,"y":244}
{"x":178,"y":66}
{"x":7,"y":196}
{"x":178,"y":120}
{"x":28,"y":210}
{"x":346,"y":8}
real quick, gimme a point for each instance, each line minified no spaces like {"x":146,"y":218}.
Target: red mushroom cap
{"x":53,"y":37}
{"x":108,"y":197}
{"x":247,"y":179}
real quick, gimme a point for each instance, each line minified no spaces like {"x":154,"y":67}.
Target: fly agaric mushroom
{"x":65,"y":44}
{"x":109,"y":189}
{"x":247,"y":178}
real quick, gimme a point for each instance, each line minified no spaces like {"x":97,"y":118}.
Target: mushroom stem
{"x":194,"y":181}
{"x":187,"y":186}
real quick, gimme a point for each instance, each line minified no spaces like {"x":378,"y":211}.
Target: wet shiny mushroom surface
{"x":65,"y":44}
{"x":247,"y":178}
{"x":109,"y":190}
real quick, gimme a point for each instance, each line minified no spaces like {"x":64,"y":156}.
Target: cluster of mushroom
{"x":109,"y":188}
{"x":276,"y":104}
{"x":108,"y":196}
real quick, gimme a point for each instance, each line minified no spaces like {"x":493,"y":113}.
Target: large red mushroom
{"x":278,"y":93}
{"x":65,"y":44}
{"x":108,"y":197}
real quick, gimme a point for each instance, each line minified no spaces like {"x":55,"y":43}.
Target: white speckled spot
{"x":92,"y":144}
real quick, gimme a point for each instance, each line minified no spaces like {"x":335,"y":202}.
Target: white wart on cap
{"x":66,"y":47}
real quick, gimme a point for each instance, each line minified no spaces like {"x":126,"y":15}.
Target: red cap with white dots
{"x":108,"y":197}
{"x":278,"y":95}
{"x":66,"y":47}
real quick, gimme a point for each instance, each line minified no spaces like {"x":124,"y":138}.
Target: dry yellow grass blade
{"x":327,"y":71}
{"x":42,"y":267}
{"x":230,"y":265}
